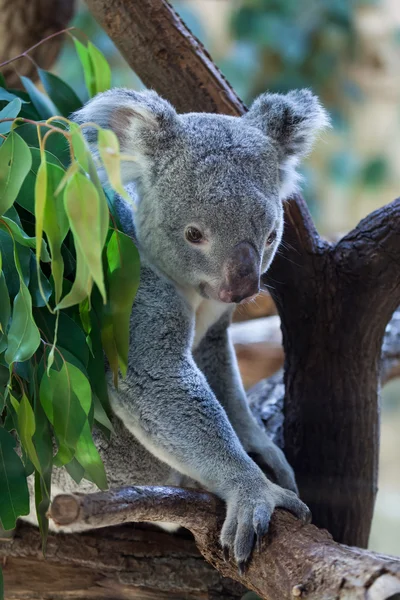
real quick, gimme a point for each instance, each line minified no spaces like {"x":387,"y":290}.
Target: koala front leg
{"x":216,"y":358}
{"x":168,"y":405}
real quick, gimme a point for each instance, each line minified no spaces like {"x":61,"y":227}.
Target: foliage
{"x":68,"y":278}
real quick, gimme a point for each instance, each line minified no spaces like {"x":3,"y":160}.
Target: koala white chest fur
{"x":208,"y":191}
{"x":206,"y":312}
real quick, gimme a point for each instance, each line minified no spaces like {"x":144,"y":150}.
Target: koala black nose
{"x":242,"y":274}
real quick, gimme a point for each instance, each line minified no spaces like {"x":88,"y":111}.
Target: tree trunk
{"x":335,"y":303}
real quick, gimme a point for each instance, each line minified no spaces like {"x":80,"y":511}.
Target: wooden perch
{"x":295,"y":560}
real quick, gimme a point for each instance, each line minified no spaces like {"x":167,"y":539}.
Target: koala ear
{"x":291,"y":121}
{"x":144,"y":123}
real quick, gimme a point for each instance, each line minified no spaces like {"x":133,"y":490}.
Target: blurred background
{"x":348,"y":52}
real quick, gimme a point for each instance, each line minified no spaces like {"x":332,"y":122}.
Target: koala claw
{"x":225,"y":552}
{"x":248,"y":517}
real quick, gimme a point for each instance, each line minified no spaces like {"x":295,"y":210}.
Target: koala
{"x":207,"y":219}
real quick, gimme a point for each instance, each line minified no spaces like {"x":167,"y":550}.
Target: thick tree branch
{"x":166,"y":56}
{"x":311,"y":564}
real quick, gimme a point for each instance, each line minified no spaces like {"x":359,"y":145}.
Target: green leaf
{"x":43,"y":442}
{"x":87,"y":456}
{"x":14,"y":489}
{"x":20,"y":236}
{"x":23,"y":335}
{"x":26,"y":430}
{"x":6,"y":96}
{"x":87,"y":66}
{"x":101,"y":68}
{"x":56,"y":143}
{"x":10,"y":111}
{"x":43,"y":105}
{"x":26,"y":195}
{"x":34,"y":290}
{"x":123,"y":281}
{"x":70,"y":336}
{"x":86,"y":211}
{"x":75,"y":470}
{"x":100,"y":414}
{"x":9,"y":269}
{"x":108,"y":146}
{"x":66,"y":399}
{"x":5,"y":312}
{"x":55,"y":224}
{"x":62,"y":95}
{"x":15,"y":162}
{"x":4,"y":379}
{"x":80,"y":147}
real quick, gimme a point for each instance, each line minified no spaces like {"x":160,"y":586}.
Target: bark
{"x":295,"y":560}
{"x":334,"y":304}
{"x":23,"y":24}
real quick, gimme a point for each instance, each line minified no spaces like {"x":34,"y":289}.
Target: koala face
{"x":209,"y":188}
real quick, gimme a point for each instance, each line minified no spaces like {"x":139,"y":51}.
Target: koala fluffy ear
{"x":291,"y":121}
{"x":144,"y":123}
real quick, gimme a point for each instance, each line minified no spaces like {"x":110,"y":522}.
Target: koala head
{"x":209,"y":188}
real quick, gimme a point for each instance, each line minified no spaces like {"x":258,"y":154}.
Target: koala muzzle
{"x":241,"y":274}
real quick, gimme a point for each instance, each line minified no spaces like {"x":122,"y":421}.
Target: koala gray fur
{"x":181,"y":415}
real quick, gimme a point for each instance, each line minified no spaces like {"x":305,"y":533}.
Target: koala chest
{"x":207,"y":314}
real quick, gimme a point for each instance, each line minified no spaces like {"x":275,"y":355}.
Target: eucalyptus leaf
{"x":20,"y":236}
{"x":5,"y":311}
{"x":123,"y":281}
{"x":15,"y":163}
{"x":62,"y":95}
{"x":10,"y":111}
{"x":87,"y":66}
{"x":88,"y":457}
{"x":23,"y":335}
{"x":15,"y":496}
{"x":108,"y":146}
{"x":42,"y":439}
{"x":101,"y":69}
{"x":26,"y":195}
{"x":66,"y":399}
{"x":43,"y":105}
{"x":26,"y":430}
{"x":86,"y":212}
{"x":9,"y":269}
{"x":45,"y":286}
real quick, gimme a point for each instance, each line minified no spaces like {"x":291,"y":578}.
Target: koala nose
{"x":241,"y":274}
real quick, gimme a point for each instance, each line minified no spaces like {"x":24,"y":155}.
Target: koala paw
{"x":272,"y":462}
{"x":249,"y":511}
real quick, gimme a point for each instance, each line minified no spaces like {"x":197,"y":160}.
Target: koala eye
{"x":272,"y":237}
{"x":193,"y":235}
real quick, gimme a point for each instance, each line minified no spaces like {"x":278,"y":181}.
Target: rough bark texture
{"x":167,"y":57}
{"x":295,"y":559}
{"x":335,"y":302}
{"x":23,"y":24}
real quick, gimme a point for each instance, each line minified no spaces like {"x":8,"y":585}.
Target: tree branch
{"x":166,"y":56}
{"x":312,"y":565}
